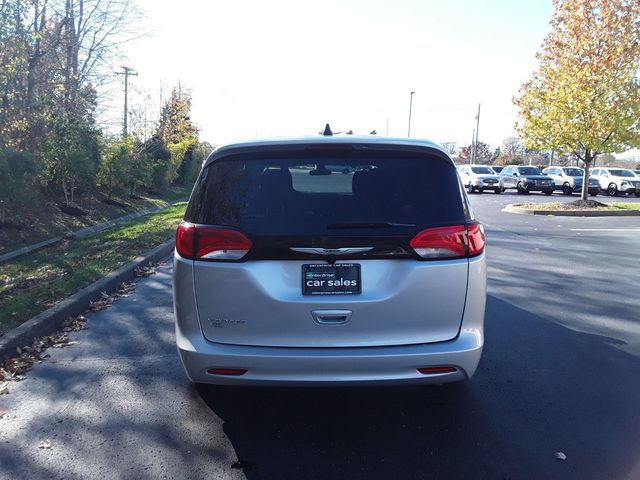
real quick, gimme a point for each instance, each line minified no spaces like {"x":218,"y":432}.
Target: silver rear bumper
{"x":331,"y":366}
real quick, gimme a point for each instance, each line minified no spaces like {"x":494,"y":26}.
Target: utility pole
{"x":475,"y":145}
{"x":127,"y":72}
{"x":410,"y":106}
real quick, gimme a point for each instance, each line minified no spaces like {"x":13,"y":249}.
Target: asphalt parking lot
{"x":560,"y":373}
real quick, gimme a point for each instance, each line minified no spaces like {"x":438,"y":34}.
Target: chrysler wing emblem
{"x":331,"y":251}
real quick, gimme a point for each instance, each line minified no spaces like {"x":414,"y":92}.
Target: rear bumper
{"x":331,"y":366}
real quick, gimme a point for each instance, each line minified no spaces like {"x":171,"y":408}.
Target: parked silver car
{"x":569,"y":180}
{"x":478,"y":178}
{"x":283,"y":276}
{"x":617,"y":180}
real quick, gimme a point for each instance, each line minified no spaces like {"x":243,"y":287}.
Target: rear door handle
{"x":331,"y":317}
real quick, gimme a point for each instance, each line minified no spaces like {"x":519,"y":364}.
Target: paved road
{"x":560,"y":372}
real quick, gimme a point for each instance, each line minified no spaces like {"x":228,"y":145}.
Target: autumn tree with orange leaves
{"x":584,"y":98}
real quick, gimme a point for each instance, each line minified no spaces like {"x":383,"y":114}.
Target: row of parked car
{"x":526,"y":179}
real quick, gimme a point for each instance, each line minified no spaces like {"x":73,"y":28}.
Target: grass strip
{"x":626,"y":206}
{"x":569,"y":206}
{"x":35,"y":282}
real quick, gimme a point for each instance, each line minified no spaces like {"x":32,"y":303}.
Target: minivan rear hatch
{"x":326,"y":258}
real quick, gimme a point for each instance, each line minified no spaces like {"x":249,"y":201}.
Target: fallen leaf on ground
{"x":75,"y":324}
{"x":125,"y":289}
{"x":12,"y":369}
{"x":146,"y":270}
{"x":560,"y":456}
{"x":103,"y":302}
{"x":46,"y":444}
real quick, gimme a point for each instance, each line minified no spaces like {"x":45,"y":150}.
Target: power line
{"x":127,"y":73}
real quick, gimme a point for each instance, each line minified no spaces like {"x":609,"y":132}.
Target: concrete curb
{"x":83,"y":232}
{"x":52,"y":319}
{"x":514,"y":208}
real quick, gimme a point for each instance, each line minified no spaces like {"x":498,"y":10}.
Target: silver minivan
{"x":329,"y":260}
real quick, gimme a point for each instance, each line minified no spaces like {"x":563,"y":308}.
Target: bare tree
{"x":92,"y":32}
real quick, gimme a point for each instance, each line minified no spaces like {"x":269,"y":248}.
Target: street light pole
{"x":410,"y":106}
{"x":475,"y":145}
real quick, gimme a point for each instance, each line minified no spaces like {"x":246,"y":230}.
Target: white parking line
{"x":605,"y":229}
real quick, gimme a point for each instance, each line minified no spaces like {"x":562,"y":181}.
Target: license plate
{"x":324,"y":279}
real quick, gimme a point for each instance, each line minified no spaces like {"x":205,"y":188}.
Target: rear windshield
{"x":573,"y":172}
{"x":480,"y":170}
{"x":529,"y":171}
{"x":327,"y":195}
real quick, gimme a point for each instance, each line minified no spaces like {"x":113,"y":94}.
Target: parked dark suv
{"x":329,"y":260}
{"x":526,"y":179}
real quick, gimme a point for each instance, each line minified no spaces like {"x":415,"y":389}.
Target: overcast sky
{"x":274,"y":68}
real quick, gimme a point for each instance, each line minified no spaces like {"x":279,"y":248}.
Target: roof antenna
{"x":327,"y":131}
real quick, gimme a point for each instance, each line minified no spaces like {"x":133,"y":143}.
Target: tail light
{"x":196,"y":242}
{"x":449,"y":242}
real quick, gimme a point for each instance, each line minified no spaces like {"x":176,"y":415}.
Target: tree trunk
{"x":588,"y":158}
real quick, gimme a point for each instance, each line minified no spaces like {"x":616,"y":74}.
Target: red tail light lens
{"x":449,"y":242}
{"x":197,"y":242}
{"x":475,"y":238}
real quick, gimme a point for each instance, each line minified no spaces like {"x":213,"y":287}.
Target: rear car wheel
{"x":637,"y":194}
{"x":500,"y":190}
{"x":471,"y":188}
{"x":594,"y":192}
{"x":566,"y":189}
{"x":480,"y":190}
{"x":612,"y":190}
{"x":548,"y":192}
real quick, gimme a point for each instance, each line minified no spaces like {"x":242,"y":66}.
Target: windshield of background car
{"x":529,"y":171}
{"x":621,"y":173}
{"x":302,"y":194}
{"x":483,"y":170}
{"x":574,"y":172}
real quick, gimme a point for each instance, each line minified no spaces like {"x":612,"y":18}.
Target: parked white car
{"x":617,"y":180}
{"x":569,"y":180}
{"x":480,"y":178}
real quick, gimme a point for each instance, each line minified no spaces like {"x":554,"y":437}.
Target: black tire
{"x":612,"y":190}
{"x":594,"y":192}
{"x":498,"y":191}
{"x":481,"y":190}
{"x":522,"y":190}
{"x":566,"y":189}
{"x":471,"y":188}
{"x":637,"y":194}
{"x":547,"y":192}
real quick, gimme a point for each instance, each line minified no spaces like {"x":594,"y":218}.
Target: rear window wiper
{"x":332,"y":226}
